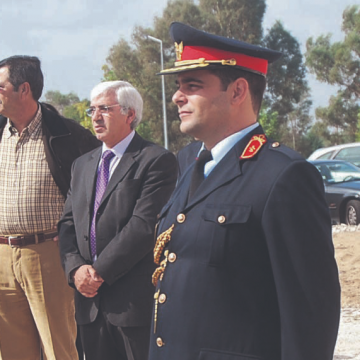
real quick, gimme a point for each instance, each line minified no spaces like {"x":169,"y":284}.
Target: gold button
{"x":221,"y":219}
{"x":162,"y":298}
{"x":159,"y":342}
{"x":172,"y":257}
{"x":275,"y":144}
{"x":180,"y":218}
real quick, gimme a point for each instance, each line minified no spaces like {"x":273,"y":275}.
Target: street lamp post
{"x":163,"y":89}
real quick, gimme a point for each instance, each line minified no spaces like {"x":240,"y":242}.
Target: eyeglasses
{"x":103,"y":109}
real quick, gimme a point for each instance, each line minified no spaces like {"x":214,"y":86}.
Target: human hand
{"x":87,"y":281}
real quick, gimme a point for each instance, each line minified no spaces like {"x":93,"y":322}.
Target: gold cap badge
{"x":179,"y":48}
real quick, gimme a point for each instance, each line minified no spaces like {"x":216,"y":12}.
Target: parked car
{"x":342,"y":190}
{"x":345,"y":152}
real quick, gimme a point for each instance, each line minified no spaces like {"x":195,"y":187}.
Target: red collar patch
{"x":253,"y":147}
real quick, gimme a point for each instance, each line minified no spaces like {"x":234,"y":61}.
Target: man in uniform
{"x":245,"y":258}
{"x":37,"y":148}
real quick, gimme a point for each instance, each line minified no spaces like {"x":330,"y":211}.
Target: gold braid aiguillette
{"x":156,"y":298}
{"x":161,"y":241}
{"x":159,"y":272}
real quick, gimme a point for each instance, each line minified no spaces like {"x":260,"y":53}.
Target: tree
{"x":77,"y":113}
{"x":288,"y":92}
{"x":311,"y":142}
{"x":237,"y":19}
{"x":338,"y":64}
{"x":270,"y":122}
{"x":341,"y":116}
{"x":59,"y":100}
{"x":71,"y":107}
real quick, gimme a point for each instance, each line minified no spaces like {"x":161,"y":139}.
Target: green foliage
{"x":59,"y":100}
{"x":238,"y":19}
{"x":338,"y":64}
{"x":342,"y":117}
{"x":288,"y":92}
{"x":85,"y":120}
{"x":270,"y":122}
{"x":286,"y":77}
{"x":309,"y":143}
{"x":145,"y":131}
{"x":71,"y":107}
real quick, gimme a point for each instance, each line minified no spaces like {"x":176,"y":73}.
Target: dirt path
{"x":347,"y":252}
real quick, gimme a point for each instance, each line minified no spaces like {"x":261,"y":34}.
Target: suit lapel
{"x":228,"y":169}
{"x":224,"y":172}
{"x":90,"y":175}
{"x":125,"y":164}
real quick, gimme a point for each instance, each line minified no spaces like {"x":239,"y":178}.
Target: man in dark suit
{"x":246,"y":266}
{"x":107,"y":230}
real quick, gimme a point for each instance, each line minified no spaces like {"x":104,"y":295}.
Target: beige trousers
{"x":36,"y":304}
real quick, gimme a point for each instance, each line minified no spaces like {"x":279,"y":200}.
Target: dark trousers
{"x":102,"y":340}
{"x":79,"y":346}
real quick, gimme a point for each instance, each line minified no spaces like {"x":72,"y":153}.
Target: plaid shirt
{"x":30,"y":201}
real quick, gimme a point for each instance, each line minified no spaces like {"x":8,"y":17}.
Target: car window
{"x":338,"y":172}
{"x":325,"y":173}
{"x":340,"y":167}
{"x":326,"y":155}
{"x":351,"y":154}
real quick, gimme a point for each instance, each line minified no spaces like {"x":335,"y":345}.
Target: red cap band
{"x":210,"y":54}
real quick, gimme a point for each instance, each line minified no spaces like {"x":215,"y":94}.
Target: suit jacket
{"x":64,"y":140}
{"x":250,"y":271}
{"x":139,"y":187}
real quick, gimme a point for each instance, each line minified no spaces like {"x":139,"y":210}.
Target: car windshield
{"x":336,"y":172}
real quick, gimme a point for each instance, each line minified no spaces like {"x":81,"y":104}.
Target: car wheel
{"x":352,"y":216}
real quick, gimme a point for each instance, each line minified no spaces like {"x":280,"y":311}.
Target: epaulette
{"x":253,"y":146}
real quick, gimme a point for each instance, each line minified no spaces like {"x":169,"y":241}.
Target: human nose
{"x":179,"y":97}
{"x":97,"y":114}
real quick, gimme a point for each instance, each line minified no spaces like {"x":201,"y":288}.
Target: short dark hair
{"x":23,"y":68}
{"x":257,"y":82}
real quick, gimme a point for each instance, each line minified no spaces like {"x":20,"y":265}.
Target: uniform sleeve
{"x":297,"y":228}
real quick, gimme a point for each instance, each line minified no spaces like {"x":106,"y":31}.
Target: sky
{"x":73,"y":37}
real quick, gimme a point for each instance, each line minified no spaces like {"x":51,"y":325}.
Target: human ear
{"x":239,"y":91}
{"x":130,"y":116}
{"x":24,"y":89}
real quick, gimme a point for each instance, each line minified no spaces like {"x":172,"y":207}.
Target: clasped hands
{"x":87,"y":281}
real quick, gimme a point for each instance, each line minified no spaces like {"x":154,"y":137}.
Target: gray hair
{"x":127,"y":96}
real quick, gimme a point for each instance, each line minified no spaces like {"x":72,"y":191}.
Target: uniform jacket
{"x":250,"y":271}
{"x":64,"y":140}
{"x":138,"y":189}
{"x":187,"y":155}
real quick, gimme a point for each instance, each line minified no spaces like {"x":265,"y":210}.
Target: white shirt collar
{"x":224,"y":146}
{"x":120,"y":148}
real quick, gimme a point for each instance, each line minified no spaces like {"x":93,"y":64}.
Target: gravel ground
{"x":346,"y":241}
{"x":348,"y":342}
